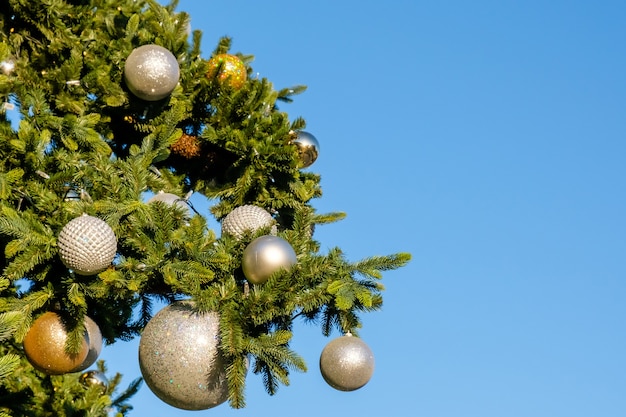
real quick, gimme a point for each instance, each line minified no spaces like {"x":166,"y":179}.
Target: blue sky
{"x":487,"y":138}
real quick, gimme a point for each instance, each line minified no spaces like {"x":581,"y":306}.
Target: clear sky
{"x":487,"y":138}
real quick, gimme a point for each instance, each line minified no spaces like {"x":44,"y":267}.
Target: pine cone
{"x":187,"y":146}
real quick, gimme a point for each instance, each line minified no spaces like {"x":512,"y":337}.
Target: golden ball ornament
{"x":308,"y":148}
{"x":266,"y":255}
{"x":95,"y":344}
{"x":180,"y":360}
{"x":151,"y":72}
{"x":95,"y":379}
{"x":87,"y":245}
{"x":247,"y":218}
{"x":44,"y":346}
{"x":347,"y":363}
{"x":228,"y":69}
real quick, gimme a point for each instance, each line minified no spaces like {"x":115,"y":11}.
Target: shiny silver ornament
{"x":95,"y":344}
{"x":87,"y":245}
{"x":308,"y":148}
{"x":7,"y":66}
{"x":246,"y":218}
{"x":172,"y":199}
{"x":347,"y":363}
{"x":151,"y":72}
{"x":95,"y":379}
{"x":180,"y":360}
{"x":266,"y":255}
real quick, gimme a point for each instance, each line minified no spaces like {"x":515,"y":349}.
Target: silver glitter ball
{"x":246,"y":218}
{"x":95,"y":379}
{"x":308,"y":148}
{"x":172,"y":199}
{"x":347,"y":363}
{"x":266,"y":255}
{"x":180,"y":360}
{"x":151,"y":72}
{"x":95,"y":344}
{"x":87,"y":245}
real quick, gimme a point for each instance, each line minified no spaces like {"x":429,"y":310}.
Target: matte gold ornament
{"x":95,"y":344}
{"x":95,"y":379}
{"x":229,"y":70}
{"x":151,"y":72}
{"x":87,"y":245}
{"x":246,"y":218}
{"x":172,"y":199}
{"x":266,"y":255}
{"x":347,"y":363}
{"x":44,"y":346}
{"x":180,"y":360}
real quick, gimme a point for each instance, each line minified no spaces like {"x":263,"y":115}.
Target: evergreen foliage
{"x":82,"y":143}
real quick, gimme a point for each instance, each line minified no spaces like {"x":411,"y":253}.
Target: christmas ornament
{"x":87,"y":245}
{"x":347,"y":363}
{"x":7,"y":66}
{"x":172,"y":199}
{"x":180,"y":360}
{"x":266,"y":255}
{"x":308,"y":148}
{"x":228,"y":69}
{"x":95,"y":344}
{"x":186,"y":146}
{"x":95,"y":379}
{"x":151,"y":72}
{"x":246,"y":218}
{"x":44,"y":346}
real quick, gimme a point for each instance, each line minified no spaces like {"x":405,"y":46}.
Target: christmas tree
{"x":112,"y":116}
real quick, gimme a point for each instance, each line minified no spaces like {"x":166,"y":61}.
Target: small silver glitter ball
{"x":246,"y":218}
{"x":180,"y":360}
{"x":95,"y":344}
{"x":87,"y":245}
{"x":151,"y":72}
{"x":347,"y":363}
{"x":171,"y":199}
{"x":95,"y":379}
{"x":266,"y":255}
{"x":308,"y":148}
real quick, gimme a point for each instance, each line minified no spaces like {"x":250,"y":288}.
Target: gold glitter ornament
{"x":228,"y":69}
{"x":180,"y":360}
{"x":347,"y":363}
{"x":87,"y":245}
{"x":247,"y":218}
{"x":151,"y":72}
{"x":44,"y":346}
{"x":186,"y":146}
{"x":266,"y":255}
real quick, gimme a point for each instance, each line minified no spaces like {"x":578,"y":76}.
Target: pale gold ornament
{"x":87,"y":245}
{"x":151,"y":72}
{"x":266,"y":255}
{"x":347,"y":363}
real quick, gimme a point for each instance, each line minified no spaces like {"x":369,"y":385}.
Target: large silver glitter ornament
{"x":95,"y":379}
{"x":95,"y":344}
{"x":266,"y":255}
{"x":308,"y":148}
{"x":347,"y":363}
{"x":246,"y":218}
{"x":172,"y":199}
{"x":180,"y":360}
{"x":151,"y":72}
{"x":87,"y":245}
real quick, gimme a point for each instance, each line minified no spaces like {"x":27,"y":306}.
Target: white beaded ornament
{"x":87,"y":245}
{"x":246,"y":218}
